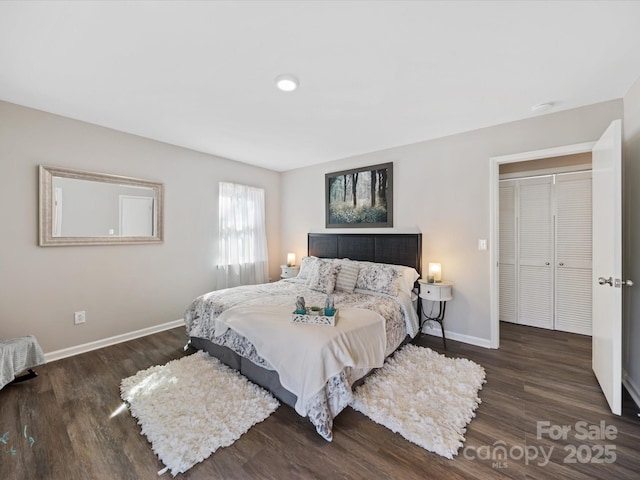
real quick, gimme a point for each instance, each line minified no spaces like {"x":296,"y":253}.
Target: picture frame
{"x":360,"y":197}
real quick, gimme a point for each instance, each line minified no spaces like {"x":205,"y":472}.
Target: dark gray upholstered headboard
{"x":393,"y":248}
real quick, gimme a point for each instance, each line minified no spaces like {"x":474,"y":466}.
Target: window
{"x":242,"y":241}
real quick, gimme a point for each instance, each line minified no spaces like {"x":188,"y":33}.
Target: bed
{"x":313,"y":368}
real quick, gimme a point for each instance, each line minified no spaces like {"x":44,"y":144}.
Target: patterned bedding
{"x":323,"y":407}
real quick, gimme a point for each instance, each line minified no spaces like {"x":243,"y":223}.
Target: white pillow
{"x":408,"y":278}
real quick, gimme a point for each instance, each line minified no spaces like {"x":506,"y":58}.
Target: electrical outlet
{"x":79,"y":317}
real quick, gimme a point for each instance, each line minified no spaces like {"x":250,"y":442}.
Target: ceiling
{"x":373,"y":75}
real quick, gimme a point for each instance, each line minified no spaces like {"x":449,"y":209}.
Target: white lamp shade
{"x":435,"y":273}
{"x":291,"y":259}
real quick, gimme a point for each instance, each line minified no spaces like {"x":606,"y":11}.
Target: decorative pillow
{"x":306,"y":265}
{"x":378,"y":278}
{"x":323,"y":275}
{"x":347,"y":276}
{"x":407,"y":276}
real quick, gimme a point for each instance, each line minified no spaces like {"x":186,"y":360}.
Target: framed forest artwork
{"x":360,"y":197}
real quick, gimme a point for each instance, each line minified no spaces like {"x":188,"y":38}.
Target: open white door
{"x":607,"y":265}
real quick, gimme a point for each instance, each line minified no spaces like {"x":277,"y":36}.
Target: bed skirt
{"x":268,"y":379}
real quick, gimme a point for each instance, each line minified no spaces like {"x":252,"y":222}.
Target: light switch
{"x":482,"y":244}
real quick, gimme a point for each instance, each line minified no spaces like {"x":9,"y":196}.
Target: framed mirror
{"x":87,"y":208}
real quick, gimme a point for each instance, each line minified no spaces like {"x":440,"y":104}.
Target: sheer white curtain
{"x":242,"y":239}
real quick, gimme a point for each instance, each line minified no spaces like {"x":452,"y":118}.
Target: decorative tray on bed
{"x":319,"y":318}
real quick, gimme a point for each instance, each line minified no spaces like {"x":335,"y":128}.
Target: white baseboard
{"x":436,"y":332}
{"x":106,"y":342}
{"x":631,"y":387}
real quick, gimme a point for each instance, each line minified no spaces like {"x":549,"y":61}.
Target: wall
{"x":631,"y":231}
{"x":441,"y":188}
{"x":122,"y":288}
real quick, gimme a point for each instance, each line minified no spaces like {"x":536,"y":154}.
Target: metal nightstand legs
{"x":439,"y":318}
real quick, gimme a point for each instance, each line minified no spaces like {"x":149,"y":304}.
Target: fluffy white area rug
{"x":190,"y":407}
{"x":426,"y":397}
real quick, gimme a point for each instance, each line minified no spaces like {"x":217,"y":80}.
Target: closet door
{"x":507,"y":252}
{"x":536,"y":241}
{"x":573,"y":253}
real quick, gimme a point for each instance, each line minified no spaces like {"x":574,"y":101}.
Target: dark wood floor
{"x":71,"y":413}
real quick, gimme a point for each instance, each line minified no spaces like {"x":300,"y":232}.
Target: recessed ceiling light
{"x":542,"y":107}
{"x":287,"y":83}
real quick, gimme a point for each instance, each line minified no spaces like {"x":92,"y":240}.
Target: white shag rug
{"x":424,"y":396}
{"x":192,"y":406}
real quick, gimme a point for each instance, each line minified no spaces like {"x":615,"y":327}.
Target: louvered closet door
{"x":573,"y":253}
{"x":535,"y":289}
{"x":507,"y":249}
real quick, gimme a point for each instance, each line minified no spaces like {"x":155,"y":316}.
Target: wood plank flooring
{"x":71,"y":411}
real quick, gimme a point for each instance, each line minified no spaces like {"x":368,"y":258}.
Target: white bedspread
{"x":306,"y":355}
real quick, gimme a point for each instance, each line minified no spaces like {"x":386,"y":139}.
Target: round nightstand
{"x":289,"y":272}
{"x":440,"y":292}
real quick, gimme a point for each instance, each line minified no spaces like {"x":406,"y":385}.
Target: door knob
{"x":604,"y":281}
{"x":620,"y":283}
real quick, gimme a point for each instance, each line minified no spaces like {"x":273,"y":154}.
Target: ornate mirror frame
{"x":45,"y":211}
